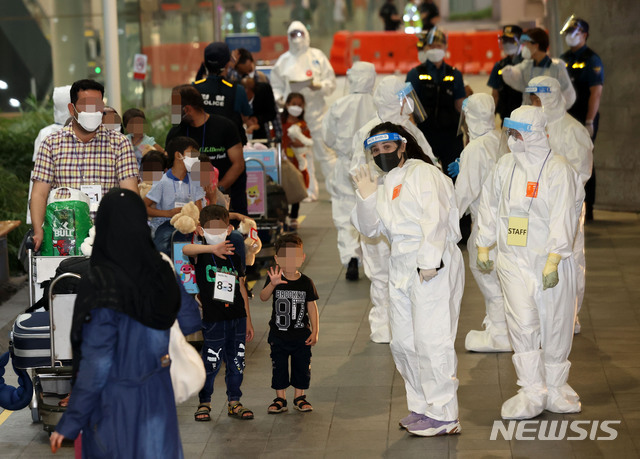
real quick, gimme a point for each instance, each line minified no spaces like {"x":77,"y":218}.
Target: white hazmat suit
{"x":529,"y":208}
{"x":304,"y":64}
{"x":415,"y":208}
{"x":476,"y":163}
{"x":61,"y":100}
{"x":375,"y":251}
{"x":344,"y":118}
{"x":517,"y":76}
{"x":568,"y":138}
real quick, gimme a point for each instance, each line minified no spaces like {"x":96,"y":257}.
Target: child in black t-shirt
{"x":226,"y":320}
{"x":293,"y":328}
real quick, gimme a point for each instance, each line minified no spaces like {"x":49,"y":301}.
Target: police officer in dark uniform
{"x":507,"y":99}
{"x":441,"y":90}
{"x":220,"y":96}
{"x":587,"y":75}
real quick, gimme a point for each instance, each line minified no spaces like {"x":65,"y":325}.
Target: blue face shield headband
{"x":386,"y":137}
{"x":538,"y":90}
{"x":516,"y":125}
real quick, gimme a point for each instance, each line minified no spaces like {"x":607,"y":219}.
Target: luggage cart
{"x":40,"y":341}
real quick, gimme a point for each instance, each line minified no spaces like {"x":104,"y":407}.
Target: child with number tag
{"x":226,"y":319}
{"x":294,"y":323}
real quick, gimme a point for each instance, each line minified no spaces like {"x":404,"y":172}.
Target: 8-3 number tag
{"x":224,"y":288}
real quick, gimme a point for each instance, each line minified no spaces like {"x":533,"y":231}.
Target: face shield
{"x":571,"y":30}
{"x":410,"y":104}
{"x":384,"y":149}
{"x":535,"y":92}
{"x":512,"y":138}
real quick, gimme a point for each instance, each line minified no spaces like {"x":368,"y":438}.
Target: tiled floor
{"x":358,"y":396}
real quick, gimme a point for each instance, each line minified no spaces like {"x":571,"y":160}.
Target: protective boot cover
{"x":531,"y":399}
{"x":561,"y":397}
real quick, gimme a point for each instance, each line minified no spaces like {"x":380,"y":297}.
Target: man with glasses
{"x":84,"y":155}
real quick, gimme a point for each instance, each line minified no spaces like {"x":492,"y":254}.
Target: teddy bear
{"x":252,"y":242}
{"x":87,"y":245}
{"x":295,"y":133}
{"x":187,"y":220}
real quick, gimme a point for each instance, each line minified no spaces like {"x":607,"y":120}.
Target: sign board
{"x":248,"y":41}
{"x":139,"y":66}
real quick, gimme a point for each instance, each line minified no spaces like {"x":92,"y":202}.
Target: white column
{"x":112,"y":53}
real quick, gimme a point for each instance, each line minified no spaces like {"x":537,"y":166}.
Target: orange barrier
{"x":470,"y":52}
{"x":174,"y":64}
{"x":271,"y":48}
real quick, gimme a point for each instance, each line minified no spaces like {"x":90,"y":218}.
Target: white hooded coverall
{"x":476,"y":162}
{"x":339,"y":126}
{"x":61,"y":101}
{"x":303,"y":63}
{"x":375,"y":251}
{"x":540,"y":321}
{"x":415,"y":208}
{"x":517,"y":76}
{"x":568,"y":138}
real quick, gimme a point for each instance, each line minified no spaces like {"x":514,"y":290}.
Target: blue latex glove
{"x":454,"y":168}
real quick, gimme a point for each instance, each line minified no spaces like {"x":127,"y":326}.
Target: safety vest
{"x":508,"y":98}
{"x":219,"y":97}
{"x":578,"y":73}
{"x":437,"y":98}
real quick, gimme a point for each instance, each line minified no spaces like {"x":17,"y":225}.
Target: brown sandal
{"x":238,"y":411}
{"x":301,"y":404}
{"x":280,"y":405}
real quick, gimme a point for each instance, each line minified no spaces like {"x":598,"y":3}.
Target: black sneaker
{"x":352,"y":270}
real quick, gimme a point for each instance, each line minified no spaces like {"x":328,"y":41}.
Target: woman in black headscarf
{"x":122,"y":398}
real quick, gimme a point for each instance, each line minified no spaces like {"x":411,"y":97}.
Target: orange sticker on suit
{"x":396,"y":192}
{"x":532,"y":189}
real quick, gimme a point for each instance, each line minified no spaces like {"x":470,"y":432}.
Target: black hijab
{"x":127,"y":273}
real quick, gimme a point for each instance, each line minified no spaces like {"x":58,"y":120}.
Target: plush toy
{"x":252,"y":242}
{"x":87,"y":244}
{"x":187,"y":220}
{"x":144,"y":188}
{"x":295,"y":133}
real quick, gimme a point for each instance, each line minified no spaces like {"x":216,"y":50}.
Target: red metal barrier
{"x":174,"y":63}
{"x":470,"y":52}
{"x":271,"y":48}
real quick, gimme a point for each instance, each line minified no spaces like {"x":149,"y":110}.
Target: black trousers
{"x":300,"y":354}
{"x":590,"y":186}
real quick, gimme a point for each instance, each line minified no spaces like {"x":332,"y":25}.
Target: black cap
{"x":511,"y":31}
{"x":216,"y":55}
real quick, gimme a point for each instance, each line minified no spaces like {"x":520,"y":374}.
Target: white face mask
{"x":113,"y":127}
{"x":515,"y":145}
{"x":189,"y":162}
{"x":435,"y":54}
{"x":88,"y":120}
{"x":214,"y":238}
{"x":295,"y":110}
{"x":510,"y":48}
{"x":526,"y":52}
{"x":573,"y":39}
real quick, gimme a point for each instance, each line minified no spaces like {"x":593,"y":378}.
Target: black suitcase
{"x":31,"y":340}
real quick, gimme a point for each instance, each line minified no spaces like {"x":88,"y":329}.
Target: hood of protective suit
{"x":479,"y":113}
{"x":553,"y":102}
{"x":361,"y":77}
{"x":387,"y":102}
{"x":298,"y":45}
{"x":536,"y":143}
{"x":61,"y":100}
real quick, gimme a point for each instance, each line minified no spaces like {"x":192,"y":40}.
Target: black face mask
{"x":387,"y":161}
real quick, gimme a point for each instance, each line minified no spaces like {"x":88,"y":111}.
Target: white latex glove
{"x":589,"y":126}
{"x":427,"y":274}
{"x":365,"y":183}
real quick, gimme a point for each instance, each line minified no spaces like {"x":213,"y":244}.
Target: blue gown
{"x":122,"y":400}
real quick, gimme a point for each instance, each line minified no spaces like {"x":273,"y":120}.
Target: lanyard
{"x":535,"y":192}
{"x":228,"y":258}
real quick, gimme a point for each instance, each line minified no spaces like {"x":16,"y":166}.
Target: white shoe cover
{"x":483,"y":341}
{"x":523,"y":406}
{"x":563,"y":399}
{"x":531,"y":399}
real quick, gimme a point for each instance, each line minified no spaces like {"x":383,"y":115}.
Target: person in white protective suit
{"x":415,"y":208}
{"x":344,"y":118}
{"x":530,"y":206}
{"x":307,"y":71}
{"x":376,"y":251}
{"x":476,"y":163}
{"x":61,"y":100}
{"x":569,"y":138}
{"x":537,"y":63}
